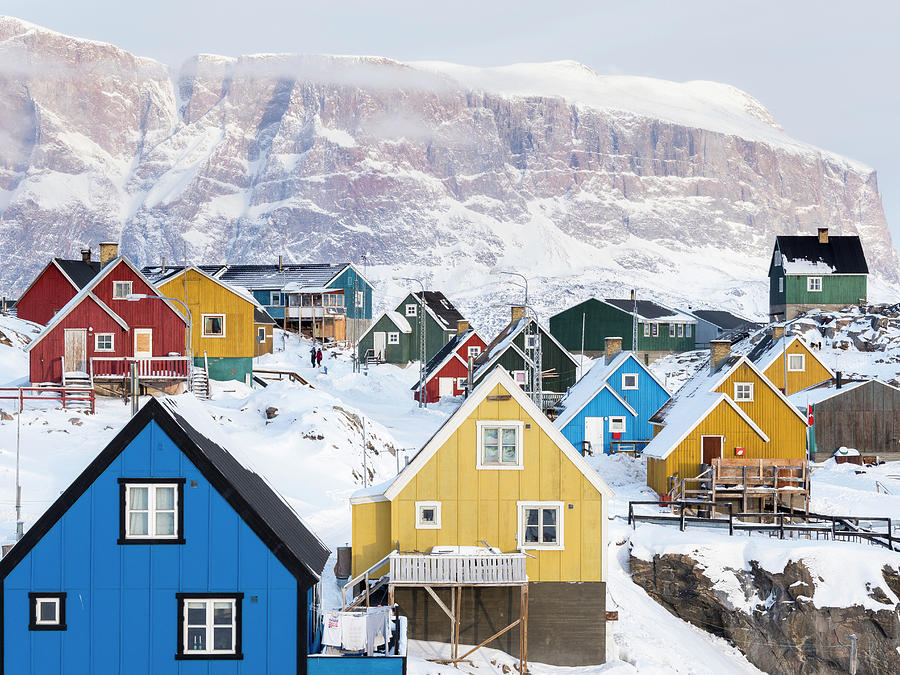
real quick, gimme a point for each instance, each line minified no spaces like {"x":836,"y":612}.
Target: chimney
{"x":632,"y":294}
{"x":518,"y":312}
{"x":86,"y":255}
{"x":823,"y":235}
{"x":164,"y":265}
{"x":613,"y":346}
{"x":470,"y":372}
{"x":462,"y":326}
{"x":719,"y":351}
{"x":279,"y":263}
{"x":838,"y":380}
{"x":778,"y":331}
{"x":109,"y":250}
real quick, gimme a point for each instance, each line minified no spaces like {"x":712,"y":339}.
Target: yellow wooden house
{"x":496,"y":487}
{"x":789,"y":359}
{"x":728,"y":415}
{"x":228,"y":327}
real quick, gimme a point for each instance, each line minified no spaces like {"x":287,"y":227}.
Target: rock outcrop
{"x":786,"y":632}
{"x":594,"y":184}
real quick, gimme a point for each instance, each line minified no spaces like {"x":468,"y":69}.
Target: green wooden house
{"x":395,"y":336}
{"x":510,"y":349}
{"x":660,"y":330}
{"x":816,"y":272}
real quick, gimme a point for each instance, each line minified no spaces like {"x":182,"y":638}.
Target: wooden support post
{"x":524,"y":659}
{"x":457,"y":614}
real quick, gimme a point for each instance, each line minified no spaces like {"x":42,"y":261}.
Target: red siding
{"x":453,"y":368}
{"x":49,"y":293}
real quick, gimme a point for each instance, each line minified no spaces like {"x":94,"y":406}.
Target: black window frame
{"x":182,"y":655}
{"x":124,"y":540}
{"x":32,"y":611}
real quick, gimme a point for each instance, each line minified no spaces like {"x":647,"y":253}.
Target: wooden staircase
{"x":199,"y":380}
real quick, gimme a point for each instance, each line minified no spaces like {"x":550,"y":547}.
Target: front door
{"x":593,"y":432}
{"x":143,"y":343}
{"x":75,"y":350}
{"x":711,"y":448}
{"x":445,"y":386}
{"x":379,"y":345}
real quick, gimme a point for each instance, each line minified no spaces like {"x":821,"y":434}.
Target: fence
{"x":151,"y":368}
{"x":68,"y":395}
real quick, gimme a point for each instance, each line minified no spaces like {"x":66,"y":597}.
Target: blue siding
{"x":345,"y":280}
{"x":604,"y":404}
{"x":264,"y":297}
{"x":357,"y":665}
{"x":121,"y":609}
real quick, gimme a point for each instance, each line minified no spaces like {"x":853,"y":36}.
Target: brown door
{"x":75,"y":350}
{"x":712,"y":448}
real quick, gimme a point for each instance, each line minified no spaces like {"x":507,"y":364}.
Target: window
{"x":428,"y":515}
{"x":103,"y":342}
{"x":150,"y":511}
{"x":260,"y":334}
{"x":629,"y":381}
{"x":743,"y":391}
{"x":209,"y":626}
{"x":474,"y":352}
{"x":781,"y":284}
{"x":213,"y":325}
{"x":540,"y":525}
{"x":410,"y":310}
{"x":121,"y":290}
{"x":646,"y":330}
{"x":671,"y":330}
{"x":656,"y":330}
{"x":360,"y":299}
{"x":687,"y":330}
{"x":499,"y":445}
{"x":681,"y":330}
{"x":519,"y":377}
{"x":814,"y":284}
{"x":393,"y":338}
{"x":616,"y":425}
{"x":275,"y":298}
{"x":47,"y":611}
{"x":462,"y":383}
{"x":796,"y":363}
{"x":777,"y":258}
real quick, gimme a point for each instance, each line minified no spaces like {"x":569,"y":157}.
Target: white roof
{"x":819,"y":392}
{"x":779,"y":346}
{"x":399,"y":321}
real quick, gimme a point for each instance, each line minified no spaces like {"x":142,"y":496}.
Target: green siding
{"x":600,"y":321}
{"x":552,"y":358}
{"x":399,"y":354}
{"x":223,"y":368}
{"x":776,"y":297}
{"x":837,"y":289}
{"x":435,"y":335}
{"x":663,"y":342}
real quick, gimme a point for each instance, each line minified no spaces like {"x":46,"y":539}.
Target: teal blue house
{"x":166,"y":555}
{"x":609,"y":408}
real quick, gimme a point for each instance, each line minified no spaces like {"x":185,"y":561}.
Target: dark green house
{"x":660,"y":330}
{"x":395,"y":338}
{"x":816,"y":272}
{"x":511,"y":348}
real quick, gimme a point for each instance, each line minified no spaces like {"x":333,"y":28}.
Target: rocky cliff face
{"x":587,"y":184}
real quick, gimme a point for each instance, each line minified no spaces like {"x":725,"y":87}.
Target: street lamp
{"x":134,"y":297}
{"x":496,"y":272}
{"x":422,"y":401}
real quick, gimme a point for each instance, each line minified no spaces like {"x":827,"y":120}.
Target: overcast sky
{"x":826,"y":70}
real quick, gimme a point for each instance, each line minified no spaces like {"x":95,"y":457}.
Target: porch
{"x":149,"y":368}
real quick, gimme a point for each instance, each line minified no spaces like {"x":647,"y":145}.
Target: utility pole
{"x":634,"y":322}
{"x":853,"y":653}
{"x":365,"y":468}
{"x":20,"y":526}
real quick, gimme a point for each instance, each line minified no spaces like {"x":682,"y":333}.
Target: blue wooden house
{"x":166,"y":555}
{"x":609,"y":408}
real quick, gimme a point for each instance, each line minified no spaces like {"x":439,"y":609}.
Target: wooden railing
{"x":152,"y":368}
{"x":67,"y":395}
{"x":272,"y":374}
{"x":450,"y":568}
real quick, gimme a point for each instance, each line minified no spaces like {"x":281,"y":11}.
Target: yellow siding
{"x":266,"y":346}
{"x":371,"y":534}
{"x":814,"y":372}
{"x":481,"y":505}
{"x":204,"y":296}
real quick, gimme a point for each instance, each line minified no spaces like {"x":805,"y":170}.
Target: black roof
{"x":761,"y":347}
{"x":157,"y":274}
{"x":78,"y":271}
{"x":844,"y":254}
{"x":444,"y":352}
{"x":438,"y":303}
{"x":724,"y":320}
{"x":261,"y":316}
{"x":257,"y":503}
{"x":646,"y":308}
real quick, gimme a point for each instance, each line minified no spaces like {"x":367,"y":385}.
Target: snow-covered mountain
{"x":587,"y":184}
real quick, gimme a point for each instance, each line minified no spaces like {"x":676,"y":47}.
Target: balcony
{"x":451,"y":569}
{"x":152,"y":368}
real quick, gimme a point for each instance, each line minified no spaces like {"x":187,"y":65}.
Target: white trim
{"x":741,"y":399}
{"x":393,"y":338}
{"x":228,"y":287}
{"x":272,"y":302}
{"x":41,"y":273}
{"x":776,"y":354}
{"x":151,"y":510}
{"x":413,"y":307}
{"x":422,"y":525}
{"x":209,"y":625}
{"x":38,"y":601}
{"x":203,"y":332}
{"x":802,"y":368}
{"x":358,"y":273}
{"x":141,"y":331}
{"x":721,"y":438}
{"x":615,"y":418}
{"x":130,"y":285}
{"x":809,"y":285}
{"x":635,"y":376}
{"x":112,"y":342}
{"x":498,"y":376}
{"x":486,"y":367}
{"x":519,"y":426}
{"x":765,"y":380}
{"x":560,"y":544}
{"x":67,"y":309}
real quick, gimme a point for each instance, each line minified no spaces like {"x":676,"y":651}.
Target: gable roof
{"x":724,"y":320}
{"x":768,"y":350}
{"x":262,"y":277}
{"x":78,"y":272}
{"x":593,"y":382}
{"x":505,"y":339}
{"x":441,"y":309}
{"x":241,"y":293}
{"x":159,"y":275}
{"x":260,"y":315}
{"x":446,"y":353}
{"x":807,"y":255}
{"x":498,"y":376}
{"x":650,"y":311}
{"x":264,"y":511}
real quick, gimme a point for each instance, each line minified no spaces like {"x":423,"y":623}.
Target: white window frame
{"x":393,"y":338}
{"x":802,"y":367}
{"x":119,"y":284}
{"x":272,"y":298}
{"x":559,"y":545}
{"x":777,"y":258}
{"x":151,"y":511}
{"x":646,"y":330}
{"x":260,"y":333}
{"x":680,"y":330}
{"x":625,"y":381}
{"x":412,"y":309}
{"x":781,"y":284}
{"x":209,"y":626}
{"x":474,"y":351}
{"x":112,"y":342}
{"x":655,"y":330}
{"x":360,"y":299}
{"x":57,"y":605}
{"x":671,"y":330}
{"x":687,"y":330}
{"x":814,"y":284}
{"x":516,"y":374}
{"x":619,"y":423}
{"x":480,"y":426}
{"x":738,"y":397}
{"x":424,"y":525}
{"x":203,"y":333}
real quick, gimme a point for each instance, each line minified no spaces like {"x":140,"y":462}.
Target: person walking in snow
{"x":312,"y":356}
{"x":319,"y":357}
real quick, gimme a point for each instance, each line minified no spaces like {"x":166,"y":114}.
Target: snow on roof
{"x":689,"y":412}
{"x":823,"y":392}
{"x":399,"y":321}
{"x":807,"y":255}
{"x":768,"y":349}
{"x":590,"y":384}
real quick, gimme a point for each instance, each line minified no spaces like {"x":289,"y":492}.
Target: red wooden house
{"x":99,"y":333}
{"x":446,"y":372}
{"x":57,"y":283}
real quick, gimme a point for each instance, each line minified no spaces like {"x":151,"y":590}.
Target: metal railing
{"x":150,"y":368}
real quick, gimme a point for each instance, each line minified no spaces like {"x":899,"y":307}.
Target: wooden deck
{"x":445,"y":569}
